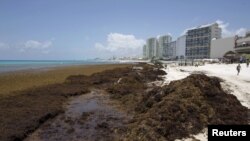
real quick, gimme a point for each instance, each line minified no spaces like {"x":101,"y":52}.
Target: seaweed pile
{"x":130,"y":87}
{"x":184,"y":107}
{"x":173,"y":111}
{"x":170,"y":112}
{"x":25,"y":112}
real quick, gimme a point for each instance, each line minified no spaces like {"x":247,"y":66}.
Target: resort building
{"x":181,"y":47}
{"x":220,"y":47}
{"x":144,"y":52}
{"x":151,"y":48}
{"x":198,"y":40}
{"x":170,"y":50}
{"x":163,"y":41}
{"x":155,"y":48}
{"x":242,"y":44}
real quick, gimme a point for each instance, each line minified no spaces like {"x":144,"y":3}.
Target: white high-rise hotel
{"x":198,"y":40}
{"x":164,"y":47}
{"x":151,"y":48}
{"x":163,"y":41}
{"x":195,"y":44}
{"x":156,"y":47}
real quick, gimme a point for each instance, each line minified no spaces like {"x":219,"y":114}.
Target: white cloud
{"x":241,"y":31}
{"x":99,"y":46}
{"x":36,"y":46}
{"x":226,"y":32}
{"x":29,"y":49}
{"x":3,"y":45}
{"x":32,"y":44}
{"x":122,"y":45}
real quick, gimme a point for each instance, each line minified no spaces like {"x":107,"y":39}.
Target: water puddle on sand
{"x":87,"y":117}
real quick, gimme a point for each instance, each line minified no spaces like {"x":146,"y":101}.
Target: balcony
{"x":243,"y":48}
{"x":243,"y":45}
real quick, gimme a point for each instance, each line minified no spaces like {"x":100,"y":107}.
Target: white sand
{"x":238,"y":85}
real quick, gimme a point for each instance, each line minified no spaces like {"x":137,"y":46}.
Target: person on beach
{"x":238,"y":68}
{"x":247,"y":63}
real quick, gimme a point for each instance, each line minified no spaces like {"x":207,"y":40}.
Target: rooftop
{"x":200,"y":26}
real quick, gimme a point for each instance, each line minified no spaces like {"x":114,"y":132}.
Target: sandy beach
{"x":232,"y":83}
{"x":121,"y":102}
{"x":30,"y":98}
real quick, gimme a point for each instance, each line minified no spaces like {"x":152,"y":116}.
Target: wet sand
{"x":91,"y":117}
{"x":21,"y":80}
{"x":41,"y":97}
{"x":119,"y":104}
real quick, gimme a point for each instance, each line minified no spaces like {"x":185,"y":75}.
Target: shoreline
{"x":232,"y":83}
{"x":26,"y":65}
{"x":13,"y":81}
{"x":45,"y":68}
{"x":128,"y":87}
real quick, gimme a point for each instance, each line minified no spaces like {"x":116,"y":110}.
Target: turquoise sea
{"x":15,"y":65}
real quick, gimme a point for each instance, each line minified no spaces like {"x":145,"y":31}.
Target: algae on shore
{"x":27,"y":103}
{"x":173,"y":111}
{"x":170,"y":112}
{"x":22,"y":80}
{"x":185,"y":107}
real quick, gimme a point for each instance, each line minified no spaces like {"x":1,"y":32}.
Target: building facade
{"x":151,"y":48}
{"x":144,"y":52}
{"x":181,"y":47}
{"x":169,"y":51}
{"x":155,"y":47}
{"x":242,"y":44}
{"x":163,"y":41}
{"x":198,"y":40}
{"x":220,"y":46}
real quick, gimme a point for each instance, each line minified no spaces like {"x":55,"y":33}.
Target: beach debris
{"x":185,"y":107}
{"x":137,"y":68}
{"x":169,"y":112}
{"x":119,"y":80}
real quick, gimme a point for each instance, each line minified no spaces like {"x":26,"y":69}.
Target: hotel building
{"x":198,"y":40}
{"x":163,"y":41}
{"x":151,"y":47}
{"x":242,"y":44}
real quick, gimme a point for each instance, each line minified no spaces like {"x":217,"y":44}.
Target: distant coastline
{"x":20,"y":65}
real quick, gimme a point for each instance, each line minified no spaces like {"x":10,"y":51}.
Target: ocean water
{"x":15,"y":65}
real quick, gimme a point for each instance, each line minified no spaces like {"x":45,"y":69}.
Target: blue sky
{"x":82,"y":29}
